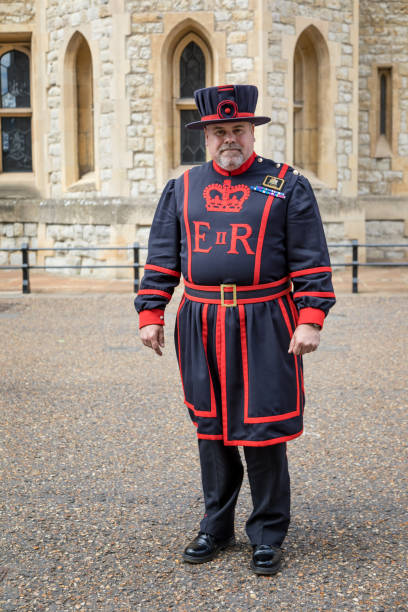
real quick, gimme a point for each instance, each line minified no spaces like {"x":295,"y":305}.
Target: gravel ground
{"x":100,"y":476}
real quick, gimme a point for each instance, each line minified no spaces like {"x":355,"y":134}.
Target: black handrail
{"x":26,"y":266}
{"x":136,"y":248}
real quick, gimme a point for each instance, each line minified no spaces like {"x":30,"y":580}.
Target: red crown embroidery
{"x":224,"y":198}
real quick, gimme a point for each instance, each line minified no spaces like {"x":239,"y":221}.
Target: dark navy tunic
{"x":258,"y":231}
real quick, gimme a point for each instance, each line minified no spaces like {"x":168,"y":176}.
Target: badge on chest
{"x":273,"y":182}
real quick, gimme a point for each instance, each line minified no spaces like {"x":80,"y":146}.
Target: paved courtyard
{"x":100,"y":488}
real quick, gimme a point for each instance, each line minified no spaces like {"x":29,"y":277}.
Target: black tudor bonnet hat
{"x":226,"y":103}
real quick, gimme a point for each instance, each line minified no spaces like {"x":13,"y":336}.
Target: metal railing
{"x":355,"y":263}
{"x":25,"y":265}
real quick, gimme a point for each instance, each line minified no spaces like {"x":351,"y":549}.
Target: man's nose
{"x":229,"y":138}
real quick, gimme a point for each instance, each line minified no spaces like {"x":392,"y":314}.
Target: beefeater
{"x":246,"y":234}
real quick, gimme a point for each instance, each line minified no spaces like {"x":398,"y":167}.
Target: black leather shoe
{"x":266,"y":559}
{"x":204,"y":548}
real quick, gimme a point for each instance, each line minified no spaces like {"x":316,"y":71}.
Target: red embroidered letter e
{"x":199,"y":236}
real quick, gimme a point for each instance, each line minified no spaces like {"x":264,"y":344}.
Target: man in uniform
{"x":246,"y":234}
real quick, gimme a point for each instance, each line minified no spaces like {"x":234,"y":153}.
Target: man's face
{"x":230,"y":144}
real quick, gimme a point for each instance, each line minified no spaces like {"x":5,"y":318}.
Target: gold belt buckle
{"x":234,"y":295}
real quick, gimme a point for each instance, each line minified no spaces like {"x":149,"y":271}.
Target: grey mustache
{"x":230,"y":148}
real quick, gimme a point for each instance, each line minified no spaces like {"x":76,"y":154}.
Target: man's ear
{"x":206,"y":136}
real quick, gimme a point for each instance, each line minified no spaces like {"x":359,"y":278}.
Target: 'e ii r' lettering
{"x":221,"y":238}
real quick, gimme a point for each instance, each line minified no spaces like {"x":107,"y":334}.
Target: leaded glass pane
{"x":15,"y":80}
{"x":192,"y":141}
{"x":383,"y":104}
{"x":16,"y":144}
{"x":192,"y":70}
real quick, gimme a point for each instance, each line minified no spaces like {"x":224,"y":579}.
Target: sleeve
{"x":308,"y":258}
{"x":162,"y":269}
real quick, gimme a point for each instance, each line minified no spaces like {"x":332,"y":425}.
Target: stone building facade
{"x":90,"y":138}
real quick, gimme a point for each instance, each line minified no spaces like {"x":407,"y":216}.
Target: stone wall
{"x":383,"y":43}
{"x":336,"y":23}
{"x":76,"y":226}
{"x":13,"y":236}
{"x":387,"y":232}
{"x":17,"y":11}
{"x":105,"y":33}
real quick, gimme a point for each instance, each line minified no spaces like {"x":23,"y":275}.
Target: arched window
{"x":83,"y":66}
{"x":15,"y":111}
{"x":311,"y":103}
{"x":383,"y":138}
{"x":191,"y":68}
{"x":78,"y":111}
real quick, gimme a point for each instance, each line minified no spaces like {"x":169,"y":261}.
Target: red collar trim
{"x":239,"y":170}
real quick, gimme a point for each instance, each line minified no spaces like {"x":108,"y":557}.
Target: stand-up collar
{"x":239,"y":170}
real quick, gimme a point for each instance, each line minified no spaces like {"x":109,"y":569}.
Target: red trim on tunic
{"x":155,"y":316}
{"x":239,"y":287}
{"x":293,"y":310}
{"x":164,"y":270}
{"x":247,"y":418}
{"x":295,"y":316}
{"x":244,"y":353}
{"x":262,"y":442}
{"x":262,"y":230}
{"x":209,"y":437}
{"x":239,"y":170}
{"x":239,"y":300}
{"x":311,"y":315}
{"x":310,"y":271}
{"x":154,"y":292}
{"x":314,"y":294}
{"x":188,"y":233}
{"x":222,"y":368}
{"x":213,"y":411}
{"x":200,"y":413}
{"x":179,"y":347}
{"x":261,"y":236}
{"x":288,"y":325}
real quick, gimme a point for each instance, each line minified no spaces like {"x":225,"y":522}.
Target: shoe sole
{"x":271,"y":571}
{"x":198,"y":560}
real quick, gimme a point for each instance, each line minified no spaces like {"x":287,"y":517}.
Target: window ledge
{"x":382,"y":148}
{"x":18,"y":184}
{"x":314,"y":180}
{"x":87,"y":182}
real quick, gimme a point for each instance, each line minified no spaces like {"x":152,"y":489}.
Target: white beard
{"x":230,"y":162}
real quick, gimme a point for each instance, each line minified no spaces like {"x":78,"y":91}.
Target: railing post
{"x":25,"y":268}
{"x":355,"y":265}
{"x":135,"y":267}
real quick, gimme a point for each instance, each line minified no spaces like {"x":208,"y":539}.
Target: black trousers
{"x":222,"y":473}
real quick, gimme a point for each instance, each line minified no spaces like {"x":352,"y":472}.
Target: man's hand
{"x":306,"y":339}
{"x":153,"y":337}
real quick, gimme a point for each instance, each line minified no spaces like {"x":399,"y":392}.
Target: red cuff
{"x":151,"y":317}
{"x":311,"y":315}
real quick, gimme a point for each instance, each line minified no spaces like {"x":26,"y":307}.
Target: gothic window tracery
{"x":191,"y":72}
{"x":15,"y":111}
